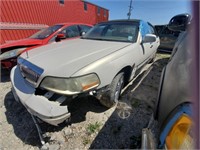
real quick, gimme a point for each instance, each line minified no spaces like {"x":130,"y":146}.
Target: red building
{"x":21,"y":18}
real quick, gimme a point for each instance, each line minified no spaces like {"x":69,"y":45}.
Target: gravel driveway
{"x":92,"y":125}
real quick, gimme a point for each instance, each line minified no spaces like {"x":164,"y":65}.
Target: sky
{"x":157,"y":12}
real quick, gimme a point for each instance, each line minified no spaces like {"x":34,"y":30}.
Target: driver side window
{"x":71,"y":31}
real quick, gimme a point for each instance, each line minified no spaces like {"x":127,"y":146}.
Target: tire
{"x":111,"y":97}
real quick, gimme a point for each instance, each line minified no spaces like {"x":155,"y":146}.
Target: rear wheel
{"x":111,"y":97}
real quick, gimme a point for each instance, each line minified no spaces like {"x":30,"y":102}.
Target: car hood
{"x":65,"y":58}
{"x":23,"y":42}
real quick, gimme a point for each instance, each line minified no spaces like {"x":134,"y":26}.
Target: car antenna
{"x":26,"y":53}
{"x":130,"y":9}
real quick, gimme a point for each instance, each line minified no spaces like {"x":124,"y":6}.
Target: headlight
{"x":180,"y":136}
{"x":12,"y":53}
{"x":70,"y":86}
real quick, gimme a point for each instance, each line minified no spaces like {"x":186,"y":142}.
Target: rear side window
{"x":153,"y":29}
{"x":84,"y":28}
{"x":71,"y":31}
{"x":146,"y":28}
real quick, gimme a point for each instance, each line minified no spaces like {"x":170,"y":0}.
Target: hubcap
{"x":118,"y":88}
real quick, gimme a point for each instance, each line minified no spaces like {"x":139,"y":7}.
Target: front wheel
{"x":111,"y":97}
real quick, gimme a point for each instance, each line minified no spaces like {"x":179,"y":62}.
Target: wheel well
{"x":127,"y":73}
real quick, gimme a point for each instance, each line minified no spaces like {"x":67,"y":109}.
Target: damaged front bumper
{"x":50,"y":111}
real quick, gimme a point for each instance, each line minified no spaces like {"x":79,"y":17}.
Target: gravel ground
{"x":92,"y":125}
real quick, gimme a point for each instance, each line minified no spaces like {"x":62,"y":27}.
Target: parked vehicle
{"x":159,"y":28}
{"x":168,"y":37}
{"x":10,"y":51}
{"x":98,"y":64}
{"x":173,"y":110}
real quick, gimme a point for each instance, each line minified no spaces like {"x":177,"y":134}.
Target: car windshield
{"x":44,"y":33}
{"x":113,"y":31}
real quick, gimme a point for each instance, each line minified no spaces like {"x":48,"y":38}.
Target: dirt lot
{"x":92,"y":125}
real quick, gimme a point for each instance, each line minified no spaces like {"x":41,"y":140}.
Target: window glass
{"x":62,"y":1}
{"x":143,"y":28}
{"x":71,"y":31}
{"x":84,"y":28}
{"x":44,"y":33}
{"x":114,"y":31}
{"x":98,"y":10}
{"x":166,"y":31}
{"x":146,"y":28}
{"x":85,"y":6}
{"x":104,"y":13}
{"x":152,"y":30}
{"x":159,"y":28}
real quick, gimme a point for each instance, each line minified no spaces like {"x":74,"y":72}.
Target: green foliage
{"x":86,"y":140}
{"x":92,"y":128}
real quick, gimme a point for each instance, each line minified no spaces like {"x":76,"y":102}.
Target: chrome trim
{"x":29,"y":71}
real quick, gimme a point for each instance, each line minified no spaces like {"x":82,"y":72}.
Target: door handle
{"x":151,"y":46}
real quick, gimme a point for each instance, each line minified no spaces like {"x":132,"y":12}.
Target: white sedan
{"x":99,"y":64}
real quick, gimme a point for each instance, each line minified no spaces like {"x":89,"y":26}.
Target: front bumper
{"x":48,"y":111}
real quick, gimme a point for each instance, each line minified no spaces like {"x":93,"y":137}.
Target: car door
{"x":69,"y":32}
{"x":83,"y":29}
{"x":148,"y":48}
{"x":167,"y":38}
{"x":154,"y":32}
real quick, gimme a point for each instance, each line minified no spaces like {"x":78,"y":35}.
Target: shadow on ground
{"x":21,"y":121}
{"x":23,"y":124}
{"x":124,"y":127}
{"x":4,"y":75}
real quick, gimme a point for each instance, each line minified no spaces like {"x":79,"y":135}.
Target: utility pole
{"x":130,"y":9}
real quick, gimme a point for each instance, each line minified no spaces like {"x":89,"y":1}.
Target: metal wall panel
{"x":44,"y":12}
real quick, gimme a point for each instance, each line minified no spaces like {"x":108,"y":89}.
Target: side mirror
{"x":60,"y":36}
{"x":179,"y":22}
{"x":83,"y":33}
{"x":149,"y":38}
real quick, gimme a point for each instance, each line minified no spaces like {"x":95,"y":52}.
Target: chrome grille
{"x":29,"y":74}
{"x":29,"y":71}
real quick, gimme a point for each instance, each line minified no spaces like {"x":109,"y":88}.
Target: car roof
{"x":123,"y":20}
{"x":70,"y":23}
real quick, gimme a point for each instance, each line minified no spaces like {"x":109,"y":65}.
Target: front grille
{"x":29,"y":71}
{"x":29,"y":74}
